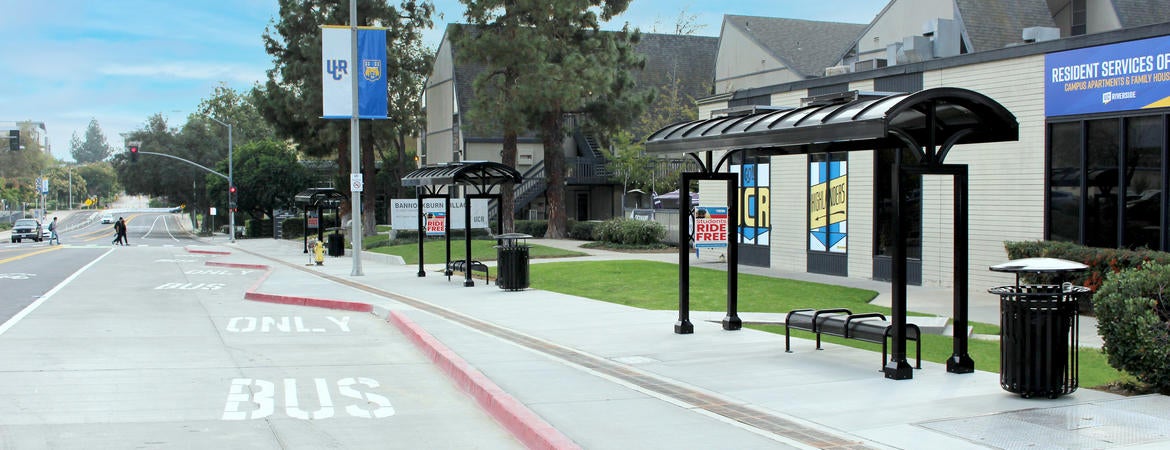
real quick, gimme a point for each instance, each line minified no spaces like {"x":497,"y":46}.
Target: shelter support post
{"x":447,"y":235}
{"x":960,"y":360}
{"x":731,"y":320}
{"x":305,"y":235}
{"x":898,"y":368}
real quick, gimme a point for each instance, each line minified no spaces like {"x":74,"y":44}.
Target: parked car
{"x":26,"y":229}
{"x":107,"y":218}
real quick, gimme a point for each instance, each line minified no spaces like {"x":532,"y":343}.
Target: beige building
{"x":591,"y":194}
{"x":1072,"y":175}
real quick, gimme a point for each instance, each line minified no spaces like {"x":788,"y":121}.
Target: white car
{"x":107,"y":218}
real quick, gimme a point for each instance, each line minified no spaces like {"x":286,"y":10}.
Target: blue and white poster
{"x":336,"y":69}
{"x":1108,"y":78}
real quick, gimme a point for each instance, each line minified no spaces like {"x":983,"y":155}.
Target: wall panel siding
{"x":861,"y":222}
{"x":789,"y":212}
{"x":1007,"y":179}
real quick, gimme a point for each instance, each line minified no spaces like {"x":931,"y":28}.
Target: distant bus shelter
{"x":928,"y":123}
{"x":481,"y":180}
{"x":320,"y":199}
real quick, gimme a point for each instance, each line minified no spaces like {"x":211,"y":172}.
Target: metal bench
{"x":841,"y":322}
{"x":476,"y":266}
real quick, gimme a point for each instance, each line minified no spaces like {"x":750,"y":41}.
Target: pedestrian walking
{"x":53,"y":232}
{"x":122,"y":232}
{"x":119,"y":230}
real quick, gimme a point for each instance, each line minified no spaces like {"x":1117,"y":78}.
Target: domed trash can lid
{"x":1039,"y":265}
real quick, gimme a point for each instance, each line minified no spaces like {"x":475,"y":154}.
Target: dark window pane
{"x":1143,"y":182}
{"x":1064,"y":182}
{"x":1102,"y":183}
{"x":911,"y":216}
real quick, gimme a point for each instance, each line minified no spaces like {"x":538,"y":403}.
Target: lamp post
{"x":231,"y":184}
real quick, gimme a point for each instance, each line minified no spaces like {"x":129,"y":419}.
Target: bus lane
{"x":153,"y":347}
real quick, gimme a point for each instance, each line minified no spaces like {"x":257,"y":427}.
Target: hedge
{"x":1101,"y":261}
{"x":1133,"y":316}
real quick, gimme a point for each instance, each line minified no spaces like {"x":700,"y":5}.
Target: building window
{"x":1078,"y":18}
{"x":1105,"y":182}
{"x":912,"y":213}
{"x":754,"y":197}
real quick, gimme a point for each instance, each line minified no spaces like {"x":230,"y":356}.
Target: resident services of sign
{"x":1108,"y":78}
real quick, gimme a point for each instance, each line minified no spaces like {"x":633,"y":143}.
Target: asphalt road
{"x":146,"y":346}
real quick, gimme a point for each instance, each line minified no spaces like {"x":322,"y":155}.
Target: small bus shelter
{"x":927,"y":123}
{"x":481,"y":179}
{"x":321,"y":199}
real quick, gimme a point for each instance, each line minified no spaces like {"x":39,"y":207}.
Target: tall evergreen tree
{"x":93,"y":147}
{"x":292,"y":100}
{"x":563,"y":65}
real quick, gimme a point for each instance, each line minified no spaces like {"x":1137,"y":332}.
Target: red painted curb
{"x":309,"y":301}
{"x":524,"y":424}
{"x":237,"y":265}
{"x":207,"y":252}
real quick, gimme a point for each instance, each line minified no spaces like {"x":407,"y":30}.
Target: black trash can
{"x":336,"y":245}
{"x":1038,"y":330}
{"x":512,"y":262}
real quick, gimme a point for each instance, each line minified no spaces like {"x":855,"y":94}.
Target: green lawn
{"x":654,"y":285}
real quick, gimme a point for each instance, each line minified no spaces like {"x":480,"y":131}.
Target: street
{"x":147,"y":346}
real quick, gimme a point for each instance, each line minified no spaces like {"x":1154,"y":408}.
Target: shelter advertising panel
{"x":755,"y":199}
{"x":1108,"y":78}
{"x":710,"y":227}
{"x":827,"y":206}
{"x":404,"y":214}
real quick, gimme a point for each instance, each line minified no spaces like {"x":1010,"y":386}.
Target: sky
{"x":119,"y":62}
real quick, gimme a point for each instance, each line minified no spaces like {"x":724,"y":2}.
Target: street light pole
{"x":231,"y":184}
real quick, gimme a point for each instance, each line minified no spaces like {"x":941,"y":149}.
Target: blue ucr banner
{"x":370,"y":68}
{"x":372,"y":63}
{"x":1118,"y":77}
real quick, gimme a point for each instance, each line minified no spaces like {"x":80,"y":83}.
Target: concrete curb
{"x":525,"y":425}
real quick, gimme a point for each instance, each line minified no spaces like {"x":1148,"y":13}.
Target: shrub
{"x":293,"y":228}
{"x":258,"y":228}
{"x":629,"y":232}
{"x":582,"y":230}
{"x":1133,"y":315}
{"x":1101,"y":262}
{"x":535,"y":228}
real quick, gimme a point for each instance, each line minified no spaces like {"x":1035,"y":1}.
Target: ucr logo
{"x":372,"y":69}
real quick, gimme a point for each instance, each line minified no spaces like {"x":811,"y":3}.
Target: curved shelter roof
{"x":930,"y":118}
{"x":481,"y":174}
{"x":323,"y":197}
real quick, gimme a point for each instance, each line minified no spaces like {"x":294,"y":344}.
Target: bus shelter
{"x":320,"y":198}
{"x":927,"y":124}
{"x":480,"y":179}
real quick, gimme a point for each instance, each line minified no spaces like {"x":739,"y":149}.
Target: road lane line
{"x":33,"y":306}
{"x":26,"y":255}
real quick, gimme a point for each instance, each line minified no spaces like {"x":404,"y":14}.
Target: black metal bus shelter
{"x":481,"y":178}
{"x":321,"y":198}
{"x":927,"y":123}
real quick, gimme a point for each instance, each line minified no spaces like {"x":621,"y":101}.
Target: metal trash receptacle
{"x":512,"y":262}
{"x":1038,"y":329}
{"x":336,"y":245}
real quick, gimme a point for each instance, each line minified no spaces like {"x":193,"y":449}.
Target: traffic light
{"x":14,"y":140}
{"x":232,"y":198}
{"x":134,"y":152}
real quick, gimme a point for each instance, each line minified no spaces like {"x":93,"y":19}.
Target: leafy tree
{"x":240,"y":110}
{"x":63,"y":182}
{"x":100,"y":179}
{"x":291,"y":99}
{"x":19,"y":169}
{"x":93,"y":147}
{"x":629,"y":164}
{"x":267,"y":176}
{"x":566,"y":66}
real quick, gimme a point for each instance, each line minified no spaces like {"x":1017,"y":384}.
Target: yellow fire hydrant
{"x":319,"y":253}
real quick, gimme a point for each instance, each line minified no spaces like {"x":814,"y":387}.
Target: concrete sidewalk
{"x":610,"y":376}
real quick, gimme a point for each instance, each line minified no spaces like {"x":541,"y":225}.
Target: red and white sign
{"x":710,"y":226}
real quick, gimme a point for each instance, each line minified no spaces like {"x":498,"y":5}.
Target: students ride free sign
{"x":709,"y":229}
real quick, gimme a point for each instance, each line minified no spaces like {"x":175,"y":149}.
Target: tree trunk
{"x":508,"y":190}
{"x":343,"y":175}
{"x":554,"y":170}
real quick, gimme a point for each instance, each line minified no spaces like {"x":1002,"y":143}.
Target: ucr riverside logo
{"x":372,"y":69}
{"x":1107,"y":97}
